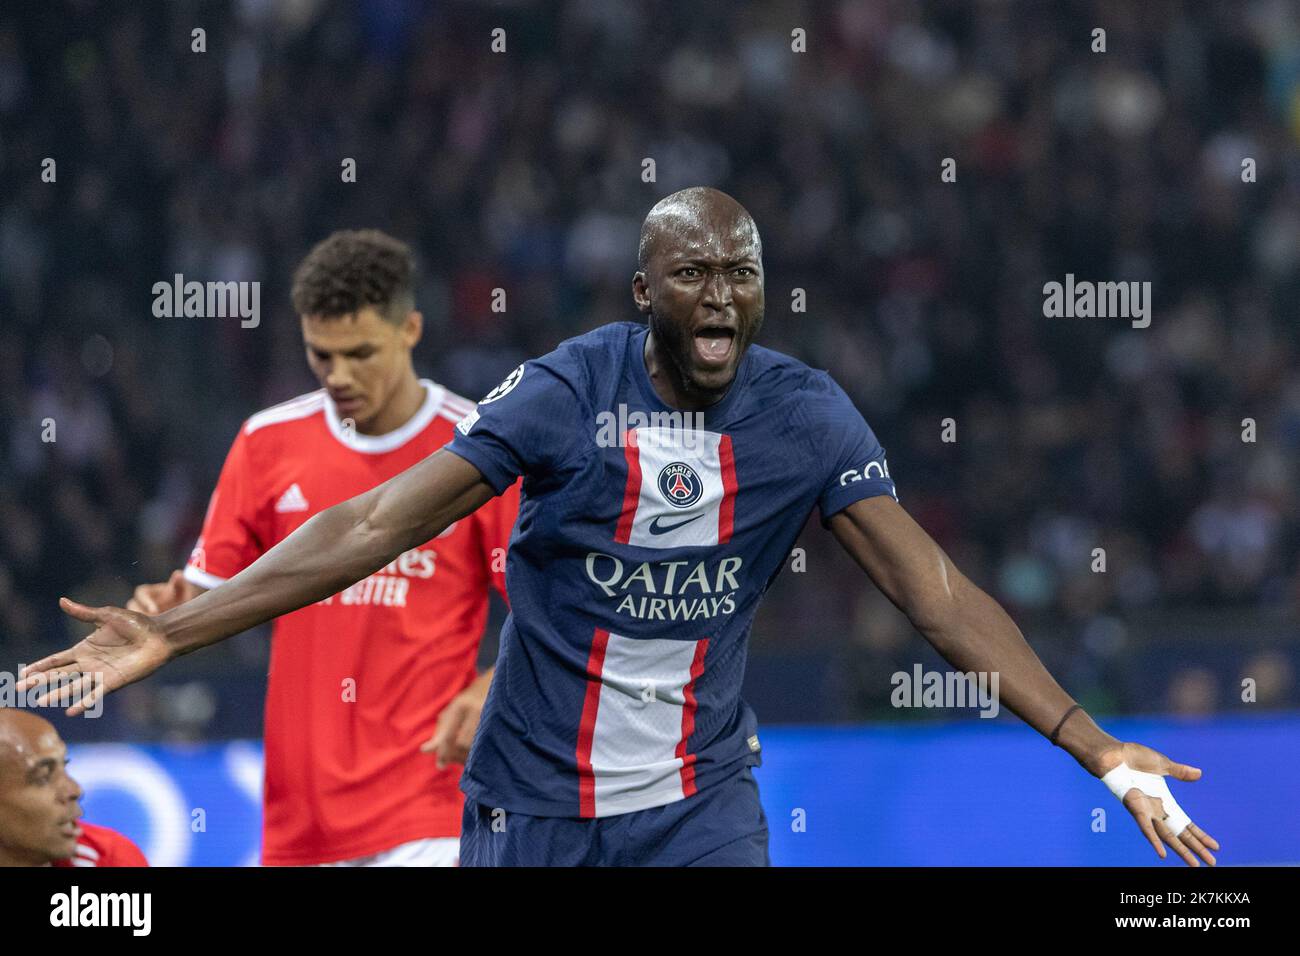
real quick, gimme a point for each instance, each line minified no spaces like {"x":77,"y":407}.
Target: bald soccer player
{"x":668,"y":468}
{"x":40,"y":804}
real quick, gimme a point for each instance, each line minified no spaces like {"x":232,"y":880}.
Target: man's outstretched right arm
{"x":334,"y":549}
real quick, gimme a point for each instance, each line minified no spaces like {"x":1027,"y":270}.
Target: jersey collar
{"x":389,"y":441}
{"x":716,"y":414}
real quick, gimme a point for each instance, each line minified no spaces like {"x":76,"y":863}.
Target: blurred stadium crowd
{"x":523,"y":171}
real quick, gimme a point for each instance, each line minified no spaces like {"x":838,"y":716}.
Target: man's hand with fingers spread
{"x":457,"y":723}
{"x":335,"y":548}
{"x":1135,"y":774}
{"x":156,"y":598}
{"x":125,"y":647}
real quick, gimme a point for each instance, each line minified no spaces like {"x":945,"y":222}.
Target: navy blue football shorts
{"x":722,"y":825}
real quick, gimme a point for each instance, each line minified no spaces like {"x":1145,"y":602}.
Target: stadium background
{"x":523,"y":170}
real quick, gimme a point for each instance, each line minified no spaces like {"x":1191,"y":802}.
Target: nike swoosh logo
{"x":657,"y":528}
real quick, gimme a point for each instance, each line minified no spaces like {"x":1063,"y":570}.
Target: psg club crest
{"x":680,"y":485}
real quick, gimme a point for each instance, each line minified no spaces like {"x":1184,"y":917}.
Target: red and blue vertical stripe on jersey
{"x":659,"y":461}
{"x":640,"y":703}
{"x":630,"y":757}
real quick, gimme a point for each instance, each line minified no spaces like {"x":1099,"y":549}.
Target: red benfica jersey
{"x":100,"y":846}
{"x":357,"y":680}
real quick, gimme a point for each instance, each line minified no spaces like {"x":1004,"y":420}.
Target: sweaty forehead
{"x":703,"y":233}
{"x":22,"y":747}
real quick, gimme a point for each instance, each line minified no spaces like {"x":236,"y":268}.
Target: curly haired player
{"x":359,"y":678}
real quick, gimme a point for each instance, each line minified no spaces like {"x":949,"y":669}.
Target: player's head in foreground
{"x":39,"y":802}
{"x":699,"y":281}
{"x":355,"y":295}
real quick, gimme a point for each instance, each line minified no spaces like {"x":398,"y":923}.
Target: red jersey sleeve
{"x":235,"y":529}
{"x":496,"y":521}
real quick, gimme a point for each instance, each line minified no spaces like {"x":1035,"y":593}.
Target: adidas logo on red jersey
{"x":291,"y":500}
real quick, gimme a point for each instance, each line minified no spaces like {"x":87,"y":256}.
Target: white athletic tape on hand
{"x":1124,"y":778}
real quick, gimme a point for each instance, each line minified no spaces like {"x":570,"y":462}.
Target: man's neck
{"x":399,"y":410}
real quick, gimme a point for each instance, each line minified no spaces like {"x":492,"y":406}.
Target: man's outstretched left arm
{"x":974,"y":633}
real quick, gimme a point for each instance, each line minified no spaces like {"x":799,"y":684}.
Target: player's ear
{"x":641,"y":292}
{"x":412,"y":328}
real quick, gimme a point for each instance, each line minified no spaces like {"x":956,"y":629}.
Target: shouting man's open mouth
{"x":714,"y":345}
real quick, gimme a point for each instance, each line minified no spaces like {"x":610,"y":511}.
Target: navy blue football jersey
{"x":645,"y":538}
